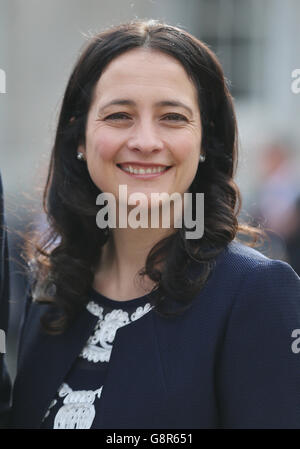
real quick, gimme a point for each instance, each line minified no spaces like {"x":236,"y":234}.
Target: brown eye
{"x":117,"y":116}
{"x":175,"y":117}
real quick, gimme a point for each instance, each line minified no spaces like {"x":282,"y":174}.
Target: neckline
{"x":100,"y":298}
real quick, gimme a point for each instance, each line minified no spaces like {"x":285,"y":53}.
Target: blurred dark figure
{"x":5,"y":384}
{"x":276,"y":202}
{"x":293,"y":240}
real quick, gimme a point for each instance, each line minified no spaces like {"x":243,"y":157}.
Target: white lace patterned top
{"x":78,"y":398}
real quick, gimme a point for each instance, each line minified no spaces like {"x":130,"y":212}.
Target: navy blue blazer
{"x":230,"y":361}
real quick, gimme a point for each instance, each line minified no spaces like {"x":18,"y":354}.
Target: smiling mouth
{"x":144,"y":171}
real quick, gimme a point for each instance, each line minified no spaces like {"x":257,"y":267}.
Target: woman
{"x":142,"y":327}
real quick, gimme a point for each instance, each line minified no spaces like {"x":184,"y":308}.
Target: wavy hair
{"x":64,"y":259}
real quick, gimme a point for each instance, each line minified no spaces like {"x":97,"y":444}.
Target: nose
{"x":145,"y":138}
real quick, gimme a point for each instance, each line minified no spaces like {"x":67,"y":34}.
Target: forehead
{"x":139,"y":69}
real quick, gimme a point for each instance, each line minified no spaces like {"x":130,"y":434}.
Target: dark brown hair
{"x":64,"y":259}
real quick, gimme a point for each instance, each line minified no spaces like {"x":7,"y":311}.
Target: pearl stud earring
{"x":80,"y":156}
{"x":201,"y":158}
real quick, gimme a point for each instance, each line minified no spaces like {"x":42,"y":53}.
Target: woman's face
{"x":144,"y":115}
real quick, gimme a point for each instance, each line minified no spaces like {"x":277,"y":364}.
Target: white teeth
{"x":125,"y":169}
{"x":142,"y":171}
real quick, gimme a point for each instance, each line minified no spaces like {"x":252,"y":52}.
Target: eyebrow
{"x":125,"y":102}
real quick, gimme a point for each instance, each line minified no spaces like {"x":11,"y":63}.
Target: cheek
{"x":104,"y":146}
{"x":186,"y":149}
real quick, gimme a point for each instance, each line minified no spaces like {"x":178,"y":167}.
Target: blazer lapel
{"x":44,"y":362}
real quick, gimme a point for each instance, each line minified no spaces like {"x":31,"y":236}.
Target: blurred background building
{"x":258,"y":44}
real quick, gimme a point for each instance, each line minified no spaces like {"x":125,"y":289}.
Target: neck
{"x":127,"y":249}
{"x":124,"y":255}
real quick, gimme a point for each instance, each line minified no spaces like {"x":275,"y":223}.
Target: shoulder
{"x":244,"y":278}
{"x":267,"y":291}
{"x":243,"y":258}
{"x":248,"y":265}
